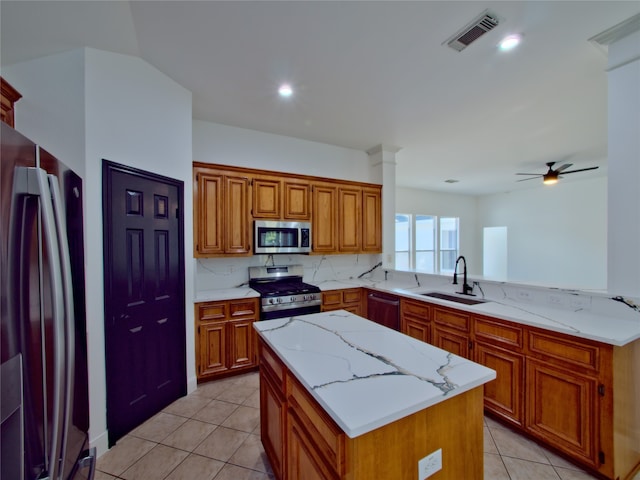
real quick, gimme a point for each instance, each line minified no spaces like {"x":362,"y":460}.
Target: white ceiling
{"x":368,"y":73}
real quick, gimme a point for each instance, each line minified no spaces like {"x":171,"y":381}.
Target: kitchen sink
{"x":454,"y":298}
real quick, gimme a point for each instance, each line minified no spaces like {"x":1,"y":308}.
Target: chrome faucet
{"x":466,"y":288}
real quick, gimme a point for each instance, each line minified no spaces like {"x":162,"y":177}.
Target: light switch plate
{"x":430,"y":464}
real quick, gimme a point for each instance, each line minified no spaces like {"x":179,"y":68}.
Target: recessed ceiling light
{"x":285,"y":90}
{"x":509,"y":42}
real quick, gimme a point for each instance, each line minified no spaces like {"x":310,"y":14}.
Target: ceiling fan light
{"x":550,"y":178}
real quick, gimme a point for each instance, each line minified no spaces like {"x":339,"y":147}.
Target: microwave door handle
{"x":38,"y":185}
{"x":67,"y":290}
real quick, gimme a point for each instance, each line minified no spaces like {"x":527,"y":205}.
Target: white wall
{"x":215,"y":143}
{"x":624,"y":165}
{"x":124,"y":110}
{"x":557,"y":235}
{"x":416,"y":201}
{"x":51,"y":110}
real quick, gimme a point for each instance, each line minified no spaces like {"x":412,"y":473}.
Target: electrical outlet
{"x":556,"y":300}
{"x":524,"y":295}
{"x":580,"y":302}
{"x":430,"y":464}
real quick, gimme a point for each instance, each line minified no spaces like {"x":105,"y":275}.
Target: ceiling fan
{"x":552,"y":175}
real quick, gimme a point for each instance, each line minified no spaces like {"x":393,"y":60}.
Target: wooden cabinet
{"x":371,"y":220}
{"x":312,"y":446}
{"x":499,"y":346}
{"x":278,"y":199}
{"x":415,"y":319}
{"x":346,"y":218}
{"x":562,"y":410}
{"x":349,"y":219}
{"x":266,"y":198}
{"x":9,"y":96}
{"x":566,"y":381}
{"x":226,"y":341}
{"x":325,"y":218}
{"x":575,"y":395}
{"x":451,"y":331}
{"x":273,"y":411}
{"x":296,"y":200}
{"x":222,"y":224}
{"x":349,"y":299}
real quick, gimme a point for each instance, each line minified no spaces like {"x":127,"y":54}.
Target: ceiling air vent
{"x":474,"y":30}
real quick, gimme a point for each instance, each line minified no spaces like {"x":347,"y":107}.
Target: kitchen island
{"x":343,"y":397}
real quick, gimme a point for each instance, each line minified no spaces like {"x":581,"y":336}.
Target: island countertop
{"x":365,"y":375}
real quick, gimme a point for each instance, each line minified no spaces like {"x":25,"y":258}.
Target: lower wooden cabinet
{"x":415,"y":319}
{"x":574,"y":395}
{"x":272,"y":422}
{"x":500,"y":345}
{"x":451,"y":331}
{"x":349,"y":299}
{"x":504,"y":395}
{"x":226,"y":341}
{"x":563,"y":409}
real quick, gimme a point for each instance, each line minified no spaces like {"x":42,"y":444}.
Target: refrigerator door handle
{"x":67,"y":288}
{"x":38,"y":185}
{"x":88,"y":459}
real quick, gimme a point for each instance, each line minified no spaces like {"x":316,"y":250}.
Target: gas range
{"x":282,"y":291}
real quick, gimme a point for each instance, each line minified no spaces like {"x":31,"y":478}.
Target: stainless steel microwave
{"x":281,"y":237}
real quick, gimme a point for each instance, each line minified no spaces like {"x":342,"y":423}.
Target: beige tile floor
{"x":214,"y":433}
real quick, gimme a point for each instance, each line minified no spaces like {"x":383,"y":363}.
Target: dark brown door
{"x":144,"y":295}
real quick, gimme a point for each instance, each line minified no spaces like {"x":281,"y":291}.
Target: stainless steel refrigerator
{"x":44,"y":406}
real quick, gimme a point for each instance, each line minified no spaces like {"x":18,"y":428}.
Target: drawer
{"x":451,"y":319}
{"x":323,"y":431}
{"x":272,"y":364}
{"x":351,"y":296}
{"x":243,"y":308}
{"x":206,"y":312}
{"x":498,"y":333}
{"x":415,"y":309}
{"x":581,"y":353}
{"x":332,"y":298}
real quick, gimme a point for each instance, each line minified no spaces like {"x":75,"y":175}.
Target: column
{"x":623,"y":242}
{"x":383,"y":162}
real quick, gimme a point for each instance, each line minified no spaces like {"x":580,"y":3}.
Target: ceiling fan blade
{"x":563,"y":167}
{"x":536,"y":174}
{"x":531,"y":178}
{"x":580,"y":170}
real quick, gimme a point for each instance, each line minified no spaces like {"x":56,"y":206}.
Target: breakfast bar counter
{"x":344,"y":397}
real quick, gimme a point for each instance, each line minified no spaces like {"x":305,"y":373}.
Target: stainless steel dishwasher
{"x":384,"y":309}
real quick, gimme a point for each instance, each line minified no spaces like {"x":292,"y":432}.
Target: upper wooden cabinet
{"x":9,"y":96}
{"x":325,"y":218}
{"x":350,"y":219}
{"x":371,"y":220}
{"x":277,"y":199}
{"x":266,"y":198}
{"x":222,"y":224}
{"x":346,"y":217}
{"x":296,"y":200}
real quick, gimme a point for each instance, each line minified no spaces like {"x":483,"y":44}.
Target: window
{"x":426,"y":243}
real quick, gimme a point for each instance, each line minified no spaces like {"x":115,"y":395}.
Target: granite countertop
{"x":613,"y":322}
{"x":363,"y":374}
{"x":219,"y":294}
